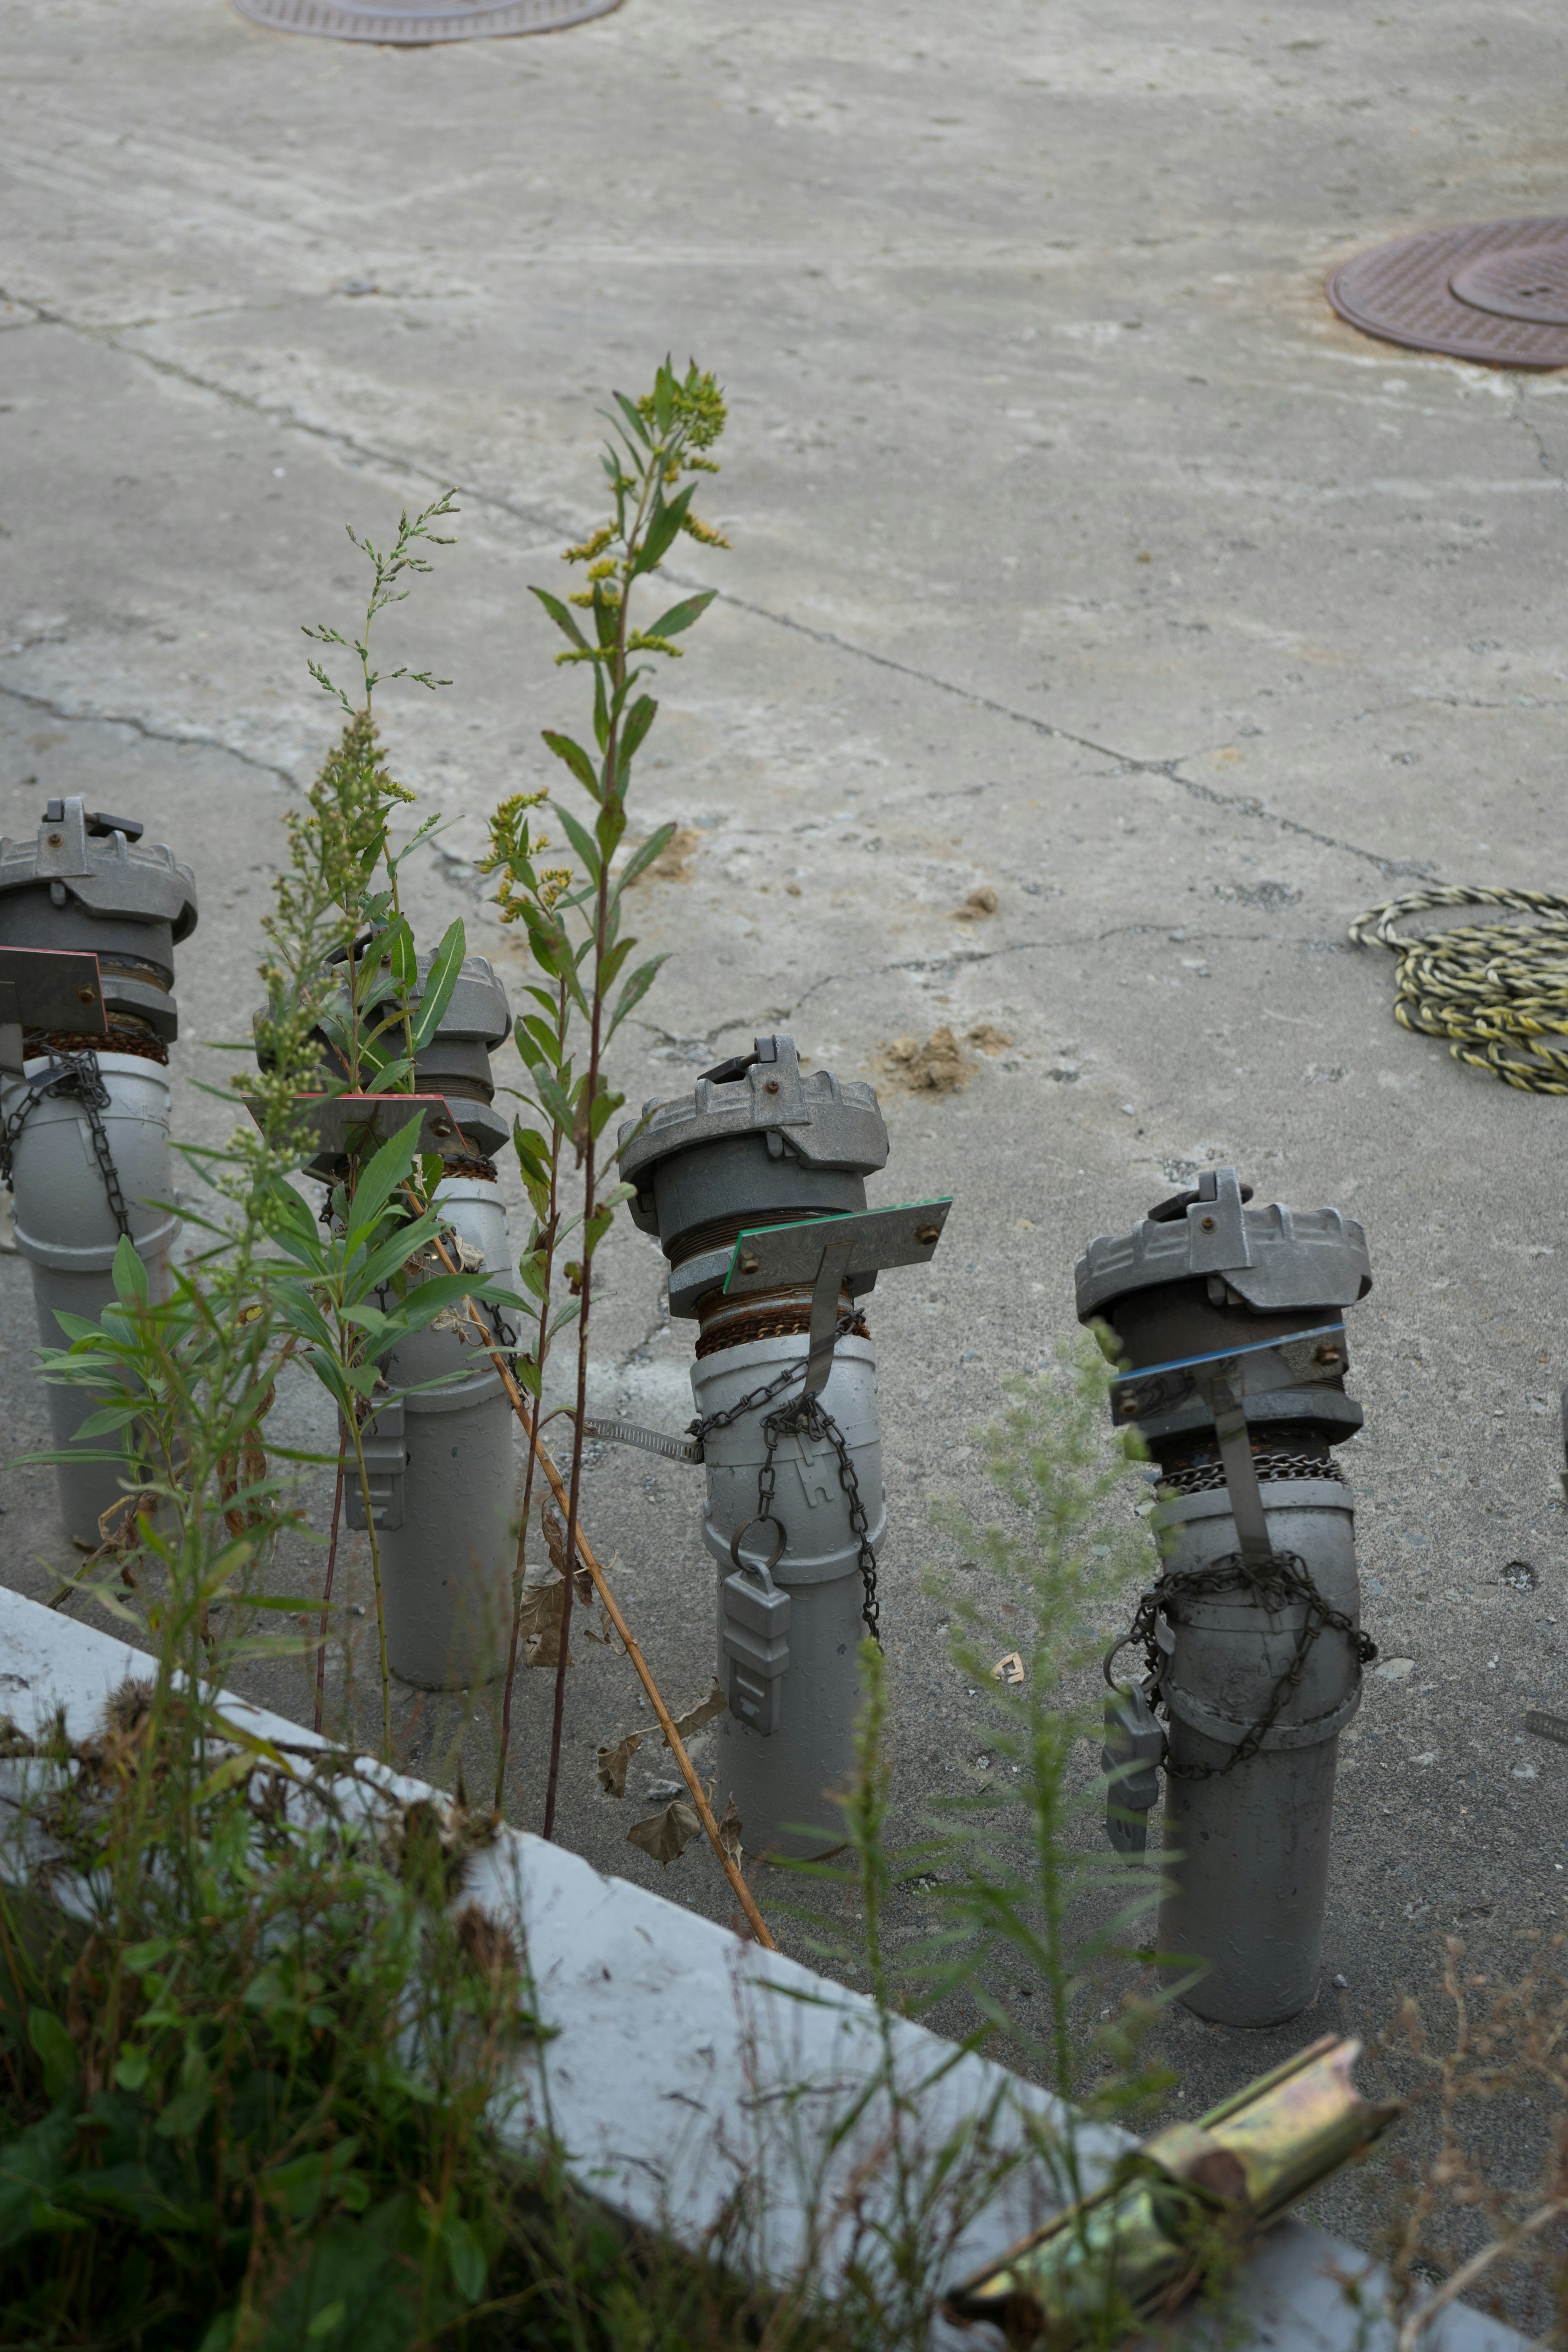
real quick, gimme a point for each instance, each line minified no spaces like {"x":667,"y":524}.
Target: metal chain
{"x":69,"y":1074}
{"x":1208,"y":1478}
{"x":1285,"y":1580}
{"x":806,"y":1418}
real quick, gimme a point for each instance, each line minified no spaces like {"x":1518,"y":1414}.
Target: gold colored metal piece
{"x":1176,"y":2208}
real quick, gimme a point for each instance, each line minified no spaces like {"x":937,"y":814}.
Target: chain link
{"x":806,"y":1419}
{"x":1286,"y":1580}
{"x":78,"y":1075}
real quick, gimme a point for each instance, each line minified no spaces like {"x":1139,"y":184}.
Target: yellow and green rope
{"x":1497,"y":992}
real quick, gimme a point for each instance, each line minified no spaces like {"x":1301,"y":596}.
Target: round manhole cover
{"x":415,"y":23}
{"x":1497,"y":292}
{"x":1526,"y":282}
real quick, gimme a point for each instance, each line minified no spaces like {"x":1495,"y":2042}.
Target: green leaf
{"x":606,"y":1103}
{"x":286,"y":1220}
{"x":611,"y":824}
{"x":443,"y":976}
{"x":628,"y":410}
{"x":403,"y":956}
{"x":662,"y":531}
{"x":113,"y":1416}
{"x":561,"y":616}
{"x":576,"y":758}
{"x":680,"y":616}
{"x":466,"y":2258}
{"x":220,"y":2335}
{"x":610,"y":964}
{"x":635,"y":727}
{"x":642,"y":858}
{"x":130,"y":1275}
{"x":131,"y":2069}
{"x":635,"y":989}
{"x":57,"y":2051}
{"x":327,"y":2323}
{"x":556,"y":1102}
{"x":581,"y":841}
{"x":379,"y":1178}
{"x":303,"y":2186}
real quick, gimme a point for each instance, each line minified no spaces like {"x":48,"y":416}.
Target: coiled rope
{"x":1497,"y":992}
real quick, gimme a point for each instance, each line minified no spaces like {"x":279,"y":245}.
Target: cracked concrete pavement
{"x":1079,"y":551}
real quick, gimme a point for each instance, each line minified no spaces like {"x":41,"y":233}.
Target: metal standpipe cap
{"x":818,"y":1121}
{"x":87,"y":880}
{"x":455,"y":1062}
{"x":1275,"y":1259}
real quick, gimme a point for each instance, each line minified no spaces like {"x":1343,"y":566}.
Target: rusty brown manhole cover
{"x":415,"y":23}
{"x":1497,"y":292}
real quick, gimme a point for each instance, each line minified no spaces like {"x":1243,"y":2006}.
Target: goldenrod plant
{"x":584,"y":984}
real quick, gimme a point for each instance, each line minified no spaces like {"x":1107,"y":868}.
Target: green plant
{"x":574,"y":923}
{"x":243,"y":2103}
{"x":1026,"y":1889}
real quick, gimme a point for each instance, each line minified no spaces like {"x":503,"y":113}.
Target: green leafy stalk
{"x":1025,"y":1879}
{"x":576,"y":940}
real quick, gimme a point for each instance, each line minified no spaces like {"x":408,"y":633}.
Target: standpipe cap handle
{"x":98,"y":822}
{"x":761,"y":1569}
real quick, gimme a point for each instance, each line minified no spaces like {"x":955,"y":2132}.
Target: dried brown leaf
{"x":555,"y":1528}
{"x":690,"y":1724}
{"x":665,"y":1835}
{"x":539,"y":1623}
{"x":612,"y":1762}
{"x":730,"y":1826}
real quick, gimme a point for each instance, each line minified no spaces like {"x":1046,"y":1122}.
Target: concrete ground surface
{"x":1080,"y":552}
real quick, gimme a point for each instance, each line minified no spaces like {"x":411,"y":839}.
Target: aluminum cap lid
{"x":825,"y":1122}
{"x":1276,"y":1259}
{"x":102,"y":862}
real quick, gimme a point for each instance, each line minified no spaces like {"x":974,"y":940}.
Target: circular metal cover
{"x":1496,"y":292}
{"x":415,"y":24}
{"x":1527,"y":281}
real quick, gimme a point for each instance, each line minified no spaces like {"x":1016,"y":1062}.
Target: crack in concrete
{"x":1241,"y":804}
{"x":148,"y":734}
{"x":956,"y":958}
{"x":1127,"y":763}
{"x":287,"y":419}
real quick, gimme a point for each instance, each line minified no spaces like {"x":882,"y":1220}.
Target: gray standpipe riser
{"x":783,"y":1783}
{"x":1247,"y":1887}
{"x":447,"y":1571}
{"x":67,"y":1232}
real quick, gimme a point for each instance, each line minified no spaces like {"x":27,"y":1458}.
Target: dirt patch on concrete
{"x":940,"y":1067}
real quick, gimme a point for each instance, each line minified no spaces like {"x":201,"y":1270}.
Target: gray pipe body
{"x":441,"y":1464}
{"x":756,"y":1144}
{"x":780,"y":1782}
{"x":67,"y":1232}
{"x":1248,"y":1896}
{"x":449,"y":1539}
{"x":88,"y":882}
{"x":1199,"y":1279}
